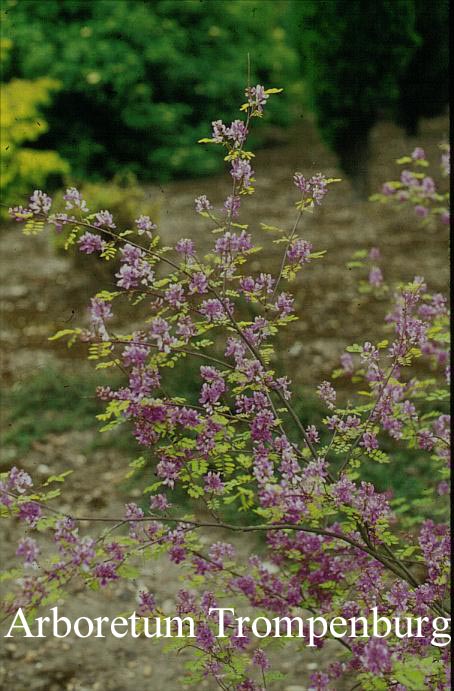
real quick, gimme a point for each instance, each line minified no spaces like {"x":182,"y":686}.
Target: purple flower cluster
{"x":16,"y":482}
{"x":299,"y":252}
{"x":212,"y":388}
{"x":202,"y":204}
{"x":261,"y":286}
{"x":185,"y":247}
{"x":104,"y":219}
{"x":40,"y":202}
{"x":285,"y":304}
{"x":327,"y":394}
{"x":242,"y":172}
{"x":312,"y":189}
{"x":135,"y":269}
{"x":74,"y":200}
{"x":236,"y":133}
{"x":419,"y":190}
{"x":375,"y":277}
{"x":90,"y":243}
{"x":29,"y":550}
{"x":100,"y":312}
{"x":214,"y":310}
{"x":232,"y":206}
{"x":145,"y":225}
{"x":256,"y":97}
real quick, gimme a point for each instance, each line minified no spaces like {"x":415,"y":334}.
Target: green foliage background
{"x":140,"y":82}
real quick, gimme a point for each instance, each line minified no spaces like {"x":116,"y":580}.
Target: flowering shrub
{"x":416,"y":189}
{"x":334,"y":544}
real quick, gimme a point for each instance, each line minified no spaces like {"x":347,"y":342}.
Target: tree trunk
{"x":353,"y":154}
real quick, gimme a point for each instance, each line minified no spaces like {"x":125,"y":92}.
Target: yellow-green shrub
{"x":23,"y":168}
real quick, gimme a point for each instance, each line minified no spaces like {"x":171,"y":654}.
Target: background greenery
{"x":142,"y":81}
{"x":132,"y":85}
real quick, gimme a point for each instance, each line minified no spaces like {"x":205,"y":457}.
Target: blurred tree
{"x":424,"y":87}
{"x":355,"y":54}
{"x":141,"y":81}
